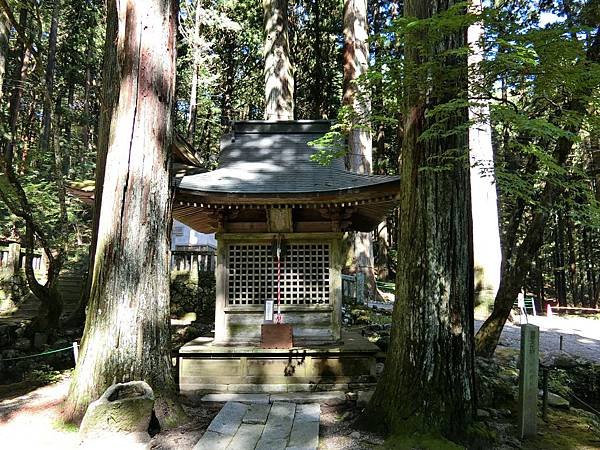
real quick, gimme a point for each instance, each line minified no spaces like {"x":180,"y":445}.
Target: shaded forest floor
{"x":29,"y":405}
{"x":39,"y":409}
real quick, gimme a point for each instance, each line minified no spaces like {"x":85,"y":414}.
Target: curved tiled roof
{"x":274,"y":158}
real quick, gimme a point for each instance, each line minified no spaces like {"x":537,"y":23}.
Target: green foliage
{"x":191,"y":293}
{"x":44,"y":374}
{"x":74,"y":109}
{"x":67,"y":427}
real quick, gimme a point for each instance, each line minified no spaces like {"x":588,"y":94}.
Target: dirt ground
{"x":32,"y":420}
{"x":581,"y":335}
{"x":30,"y":416}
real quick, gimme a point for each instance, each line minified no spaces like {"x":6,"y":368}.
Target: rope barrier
{"x":591,"y":408}
{"x":38,"y":354}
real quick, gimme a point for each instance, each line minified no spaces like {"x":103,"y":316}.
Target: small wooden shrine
{"x":279,"y":220}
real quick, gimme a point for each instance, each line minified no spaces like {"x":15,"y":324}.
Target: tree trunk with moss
{"x":428,"y":382}
{"x":126,"y":336}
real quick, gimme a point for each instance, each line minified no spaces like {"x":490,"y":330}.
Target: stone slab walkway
{"x":263,"y":426}
{"x":329,"y":398}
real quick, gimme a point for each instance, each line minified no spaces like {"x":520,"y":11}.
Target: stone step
{"x":281,"y":426}
{"x":257,"y":414}
{"x":242,"y":398}
{"x":330,"y":398}
{"x":223,"y":427}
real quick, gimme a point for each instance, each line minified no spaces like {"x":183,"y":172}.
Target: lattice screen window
{"x":252,"y":271}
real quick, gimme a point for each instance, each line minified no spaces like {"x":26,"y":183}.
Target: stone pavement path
{"x":263,"y":426}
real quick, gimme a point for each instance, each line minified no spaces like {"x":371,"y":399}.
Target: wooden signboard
{"x":276,"y":335}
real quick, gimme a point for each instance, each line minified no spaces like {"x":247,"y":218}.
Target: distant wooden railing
{"x":12,"y":259}
{"x":353,"y":287}
{"x":203,"y":260}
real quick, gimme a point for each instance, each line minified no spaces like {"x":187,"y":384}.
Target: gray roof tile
{"x":272,"y":158}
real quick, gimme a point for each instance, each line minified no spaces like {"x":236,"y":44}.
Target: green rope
{"x":38,"y":354}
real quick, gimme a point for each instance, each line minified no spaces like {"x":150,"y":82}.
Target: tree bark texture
{"x":15,"y":97}
{"x":317,"y":88}
{"x":356,"y":63}
{"x":428,"y":380}
{"x":360,"y":152}
{"x":4,"y":36}
{"x":279,"y":77}
{"x":126,"y":336}
{"x":560,"y":277}
{"x":49,"y":77}
{"x":486,"y":232}
{"x":228,"y":86}
{"x":193,"y":105}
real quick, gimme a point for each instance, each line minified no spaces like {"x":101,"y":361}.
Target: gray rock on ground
{"x":124,"y":408}
{"x":556,"y":401}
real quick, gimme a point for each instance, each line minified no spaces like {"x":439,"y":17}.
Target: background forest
{"x":540,"y":75}
{"x":73,"y":73}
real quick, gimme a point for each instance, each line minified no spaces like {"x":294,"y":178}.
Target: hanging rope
{"x":37,"y":354}
{"x":278,"y":317}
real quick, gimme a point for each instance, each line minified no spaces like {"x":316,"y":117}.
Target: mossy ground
{"x":419,"y":441}
{"x":66,"y":427}
{"x":572,"y":429}
{"x":566,"y":430}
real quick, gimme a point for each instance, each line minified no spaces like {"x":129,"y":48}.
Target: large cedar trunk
{"x":193,"y":105}
{"x":360,"y":153}
{"x":126,"y":335}
{"x":486,"y":232}
{"x":279,"y":80}
{"x":428,"y":380}
{"x":49,"y":77}
{"x":228,"y":85}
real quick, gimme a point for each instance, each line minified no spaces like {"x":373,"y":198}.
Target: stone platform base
{"x":208,"y":367}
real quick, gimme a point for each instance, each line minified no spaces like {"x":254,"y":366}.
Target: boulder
{"x":556,"y":401}
{"x":125,"y":408}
